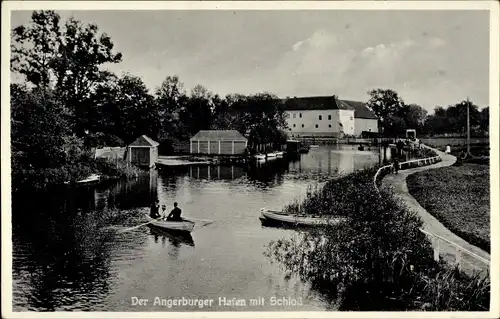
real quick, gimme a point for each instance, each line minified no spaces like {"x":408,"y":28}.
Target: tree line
{"x":68,"y":103}
{"x":395,"y":116}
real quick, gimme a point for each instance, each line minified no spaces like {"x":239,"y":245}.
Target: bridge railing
{"x":463,"y":258}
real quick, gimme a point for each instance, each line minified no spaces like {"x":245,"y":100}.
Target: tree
{"x":221,"y":118}
{"x":435,"y":124}
{"x":67,"y":59}
{"x":197,"y":113}
{"x":385,"y":103}
{"x":137,"y":109}
{"x":414,"y":116}
{"x":38,"y":129}
{"x":457,"y":117}
{"x":263,"y":117}
{"x":395,"y":126}
{"x":484,"y":121}
{"x":34,"y":48}
{"x":171,"y":99}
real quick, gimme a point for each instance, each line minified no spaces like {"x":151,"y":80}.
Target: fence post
{"x":458,"y":258}
{"x":436,"y":250}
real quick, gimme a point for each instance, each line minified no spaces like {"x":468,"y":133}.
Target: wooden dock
{"x":179,"y":161}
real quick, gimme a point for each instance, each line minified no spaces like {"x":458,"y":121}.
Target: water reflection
{"x":176,"y":239}
{"x":64,"y":260}
{"x":66,"y":257}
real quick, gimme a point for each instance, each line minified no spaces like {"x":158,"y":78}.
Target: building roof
{"x":313,"y":103}
{"x":144,"y":140}
{"x":361,"y":111}
{"x":218,"y":135}
{"x":328,"y":103}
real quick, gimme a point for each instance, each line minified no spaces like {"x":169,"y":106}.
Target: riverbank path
{"x":448,"y":251}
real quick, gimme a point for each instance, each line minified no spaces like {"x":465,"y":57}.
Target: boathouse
{"x":218,"y":142}
{"x":143,"y":152}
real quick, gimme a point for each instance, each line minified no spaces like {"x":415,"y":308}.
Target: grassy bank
{"x":379,"y":260}
{"x":459,"y":196}
{"x":72,"y":172}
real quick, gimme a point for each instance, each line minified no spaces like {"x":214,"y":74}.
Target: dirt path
{"x":449,"y":252}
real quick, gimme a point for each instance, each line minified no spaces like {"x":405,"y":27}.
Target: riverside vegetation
{"x":379,"y":260}
{"x":67,"y":103}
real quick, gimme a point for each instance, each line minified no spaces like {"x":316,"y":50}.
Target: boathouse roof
{"x":218,"y":135}
{"x":327,"y":103}
{"x":144,"y":140}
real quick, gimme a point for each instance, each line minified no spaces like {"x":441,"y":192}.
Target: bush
{"x":116,"y":168}
{"x":379,"y":260}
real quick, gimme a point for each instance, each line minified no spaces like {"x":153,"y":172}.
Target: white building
{"x":327,"y":116}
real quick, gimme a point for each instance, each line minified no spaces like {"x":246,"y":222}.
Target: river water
{"x":67,"y":257}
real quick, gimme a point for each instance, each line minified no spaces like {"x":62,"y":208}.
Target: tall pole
{"x":468,"y":127}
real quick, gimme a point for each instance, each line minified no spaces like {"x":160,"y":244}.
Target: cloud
{"x":297,"y":45}
{"x":323,"y":64}
{"x":436,"y":42}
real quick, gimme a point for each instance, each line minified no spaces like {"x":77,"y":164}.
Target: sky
{"x":431,"y":58}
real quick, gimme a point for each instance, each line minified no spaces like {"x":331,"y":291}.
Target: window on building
{"x":351,"y":118}
{"x":300,"y":115}
{"x":317,"y":124}
{"x":294,"y":115}
{"x":320,"y":117}
{"x":293,"y":125}
{"x":352,"y":128}
{"x":329,"y":125}
{"x":329,"y":117}
{"x":302,"y":125}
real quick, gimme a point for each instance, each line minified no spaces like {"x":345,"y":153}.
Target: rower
{"x":175,"y":214}
{"x":155,"y":208}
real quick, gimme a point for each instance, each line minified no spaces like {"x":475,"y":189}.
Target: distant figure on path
{"x":396,"y":165}
{"x":155,"y":209}
{"x":175,"y":214}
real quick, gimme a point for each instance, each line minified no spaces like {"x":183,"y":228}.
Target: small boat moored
{"x":260,"y":156}
{"x":279,"y":154}
{"x":276,"y":217}
{"x":314,"y":146}
{"x":94,"y":178}
{"x":178,"y":226}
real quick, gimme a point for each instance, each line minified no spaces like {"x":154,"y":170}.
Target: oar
{"x":205,"y":221}
{"x":131,"y":228}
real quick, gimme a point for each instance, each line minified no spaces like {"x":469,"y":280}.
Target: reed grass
{"x":379,"y":260}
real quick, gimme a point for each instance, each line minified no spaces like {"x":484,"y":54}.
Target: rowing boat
{"x":273,"y":217}
{"x":181,"y":226}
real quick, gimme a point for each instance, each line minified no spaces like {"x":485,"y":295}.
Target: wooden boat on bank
{"x":177,"y":226}
{"x":277,"y":217}
{"x":313,"y":146}
{"x":260,"y":156}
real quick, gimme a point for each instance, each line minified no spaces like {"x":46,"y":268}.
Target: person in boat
{"x":175,"y":214}
{"x":155,"y":209}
